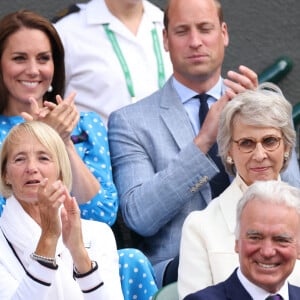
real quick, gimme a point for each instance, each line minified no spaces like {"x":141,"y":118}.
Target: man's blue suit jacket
{"x":160,"y":174}
{"x":232,"y":289}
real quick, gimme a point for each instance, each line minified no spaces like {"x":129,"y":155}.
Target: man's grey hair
{"x":272,"y":191}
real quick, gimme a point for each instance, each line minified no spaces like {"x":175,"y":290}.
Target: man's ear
{"x":165,"y":39}
{"x":298,"y":250}
{"x":236,"y":246}
{"x":225,"y":34}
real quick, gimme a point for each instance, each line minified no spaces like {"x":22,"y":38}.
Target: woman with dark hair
{"x":32,"y":79}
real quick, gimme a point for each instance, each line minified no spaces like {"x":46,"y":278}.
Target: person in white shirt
{"x":114,"y":53}
{"x":46,"y":250}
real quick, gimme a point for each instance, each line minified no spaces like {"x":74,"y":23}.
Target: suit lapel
{"x":174,"y":116}
{"x":234,"y":289}
{"x":228,"y":203}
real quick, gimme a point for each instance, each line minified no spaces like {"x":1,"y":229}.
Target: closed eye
{"x":19,"y":58}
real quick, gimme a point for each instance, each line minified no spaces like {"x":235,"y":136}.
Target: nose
{"x":259,"y":153}
{"x":195,"y":39}
{"x":32,"y":68}
{"x":31,"y":167}
{"x":267,"y":249}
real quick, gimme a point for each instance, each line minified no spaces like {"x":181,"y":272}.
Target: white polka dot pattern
{"x":137,"y":275}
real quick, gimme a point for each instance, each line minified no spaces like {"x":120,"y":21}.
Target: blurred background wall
{"x":260,"y":32}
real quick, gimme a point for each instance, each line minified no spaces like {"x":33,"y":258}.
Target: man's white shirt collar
{"x":186,"y":93}
{"x":258,"y":293}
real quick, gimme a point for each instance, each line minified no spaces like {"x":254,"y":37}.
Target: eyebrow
{"x":262,"y":138}
{"x":39,"y":152}
{"x":285,"y":236}
{"x":25,"y":53}
{"x":252,"y":232}
{"x":282,"y":235}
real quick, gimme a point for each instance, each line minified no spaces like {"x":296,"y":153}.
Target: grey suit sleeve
{"x":150,"y":198}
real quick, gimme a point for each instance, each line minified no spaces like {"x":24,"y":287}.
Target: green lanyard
{"x":160,"y":65}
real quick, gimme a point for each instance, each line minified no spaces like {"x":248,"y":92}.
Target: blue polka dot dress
{"x":93,"y":150}
{"x":90,"y":140}
{"x":137,"y":275}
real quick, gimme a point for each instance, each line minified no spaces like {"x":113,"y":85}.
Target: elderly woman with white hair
{"x":255,"y":140}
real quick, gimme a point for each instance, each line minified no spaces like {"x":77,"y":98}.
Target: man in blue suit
{"x":268,"y":244}
{"x":160,"y":155}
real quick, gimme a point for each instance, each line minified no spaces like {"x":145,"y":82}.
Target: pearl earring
{"x":229,"y":160}
{"x":50,"y":89}
{"x":286,"y":156}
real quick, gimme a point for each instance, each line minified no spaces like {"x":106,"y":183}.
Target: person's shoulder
{"x":67,"y":11}
{"x":147,"y":108}
{"x":294,"y":290}
{"x":92,"y":122}
{"x":221,"y":290}
{"x":193,"y":218}
{"x":91,"y":116}
{"x":205,"y":216}
{"x":144,"y":104}
{"x":152,"y":9}
{"x":209,"y":293}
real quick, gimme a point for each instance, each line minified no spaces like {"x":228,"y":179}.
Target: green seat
{"x":168,"y":292}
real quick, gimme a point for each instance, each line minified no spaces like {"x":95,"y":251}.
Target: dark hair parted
{"x":14,"y":22}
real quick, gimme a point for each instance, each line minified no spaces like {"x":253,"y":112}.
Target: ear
{"x":225,"y":34}
{"x":165,"y":39}
{"x":7,"y":180}
{"x":236,"y":246}
{"x":229,"y":154}
{"x":298,"y":250}
{"x":287,"y":148}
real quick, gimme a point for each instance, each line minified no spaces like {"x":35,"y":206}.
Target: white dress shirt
{"x":92,"y":67}
{"x":258,"y":293}
{"x":191,"y":105}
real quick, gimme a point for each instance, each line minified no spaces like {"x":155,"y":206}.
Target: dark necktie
{"x":274,"y":297}
{"x":221,"y":181}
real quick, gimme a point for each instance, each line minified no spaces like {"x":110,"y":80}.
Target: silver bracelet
{"x":45,"y":261}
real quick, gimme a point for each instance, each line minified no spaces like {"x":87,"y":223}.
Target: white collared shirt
{"x":92,"y":67}
{"x":192,"y":105}
{"x":258,"y":293}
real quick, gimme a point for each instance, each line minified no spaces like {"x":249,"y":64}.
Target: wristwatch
{"x":94,"y":267}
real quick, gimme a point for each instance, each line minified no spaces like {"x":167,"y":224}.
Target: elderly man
{"x":268,"y":244}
